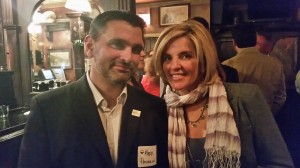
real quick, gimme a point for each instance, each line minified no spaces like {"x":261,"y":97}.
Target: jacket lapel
{"x":85,"y":109}
{"x":129,"y":126}
{"x":233,"y":101}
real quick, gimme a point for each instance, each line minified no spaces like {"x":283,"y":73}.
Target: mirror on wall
{"x":56,"y":36}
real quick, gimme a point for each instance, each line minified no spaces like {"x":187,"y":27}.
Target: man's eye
{"x":137,"y":50}
{"x":117,"y":45}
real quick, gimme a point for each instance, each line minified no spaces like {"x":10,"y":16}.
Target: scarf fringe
{"x":219,"y":158}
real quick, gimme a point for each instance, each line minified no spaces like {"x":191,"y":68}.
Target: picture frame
{"x":170,"y":15}
{"x":60,"y":58}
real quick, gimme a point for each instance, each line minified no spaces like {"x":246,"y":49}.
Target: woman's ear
{"x":88,"y":46}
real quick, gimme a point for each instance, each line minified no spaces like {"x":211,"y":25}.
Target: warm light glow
{"x":79,"y":5}
{"x":34,"y":28}
{"x":37,"y":18}
{"x":146,"y":18}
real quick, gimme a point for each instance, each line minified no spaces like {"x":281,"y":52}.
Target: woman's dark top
{"x":195,"y":152}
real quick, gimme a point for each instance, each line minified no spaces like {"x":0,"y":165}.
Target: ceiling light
{"x":79,"y":5}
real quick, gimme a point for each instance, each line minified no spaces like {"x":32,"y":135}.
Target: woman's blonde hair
{"x":210,"y":68}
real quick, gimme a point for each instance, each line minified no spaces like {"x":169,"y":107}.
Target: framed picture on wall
{"x":169,"y":15}
{"x":60,"y":58}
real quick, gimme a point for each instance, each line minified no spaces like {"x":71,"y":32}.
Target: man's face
{"x":116,"y":53}
{"x":263,"y":45}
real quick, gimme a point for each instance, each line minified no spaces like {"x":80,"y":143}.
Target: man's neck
{"x":109,"y":91}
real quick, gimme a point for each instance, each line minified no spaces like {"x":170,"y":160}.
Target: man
{"x":257,"y":68}
{"x":99,"y":120}
{"x":265,"y":42}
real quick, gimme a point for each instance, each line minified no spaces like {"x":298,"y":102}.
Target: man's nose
{"x":126,"y":54}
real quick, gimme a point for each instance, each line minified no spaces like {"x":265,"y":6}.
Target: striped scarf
{"x":222,"y":144}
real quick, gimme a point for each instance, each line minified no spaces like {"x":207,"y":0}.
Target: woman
{"x":211,"y":123}
{"x":150,"y":80}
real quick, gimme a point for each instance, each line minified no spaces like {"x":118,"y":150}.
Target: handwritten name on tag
{"x":136,"y":113}
{"x":147,"y":156}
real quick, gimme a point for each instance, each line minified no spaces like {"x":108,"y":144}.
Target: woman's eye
{"x":166,"y":58}
{"x":185,"y":56}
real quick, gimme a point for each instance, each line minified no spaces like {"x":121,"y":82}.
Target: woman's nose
{"x":175,"y":63}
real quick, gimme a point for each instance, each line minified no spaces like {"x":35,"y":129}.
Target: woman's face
{"x":180,"y":65}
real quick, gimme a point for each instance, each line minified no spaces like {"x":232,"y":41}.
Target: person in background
{"x":297,"y":82}
{"x":212,"y":123}
{"x":288,"y":117}
{"x":282,"y":49}
{"x":140,"y":69}
{"x":100,"y":121}
{"x":257,"y":68}
{"x":135,"y":80}
{"x":265,"y":42}
{"x":231,"y":73}
{"x":150,"y":80}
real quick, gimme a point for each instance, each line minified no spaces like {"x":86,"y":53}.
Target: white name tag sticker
{"x":147,"y":156}
{"x":136,"y":113}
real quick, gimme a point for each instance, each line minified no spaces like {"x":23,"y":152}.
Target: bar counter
{"x":11,"y":133}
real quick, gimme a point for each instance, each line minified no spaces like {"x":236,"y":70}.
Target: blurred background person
{"x":136,"y":79}
{"x":150,"y":80}
{"x":257,"y":68}
{"x":211,"y":123}
{"x":140,"y":68}
{"x":289,"y":116}
{"x":297,"y":82}
{"x":265,"y":42}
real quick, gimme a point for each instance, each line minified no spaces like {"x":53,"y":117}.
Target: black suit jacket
{"x":64,"y":129}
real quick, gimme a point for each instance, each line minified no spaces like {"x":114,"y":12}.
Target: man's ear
{"x":233,"y":43}
{"x":236,"y":48}
{"x":88,"y":46}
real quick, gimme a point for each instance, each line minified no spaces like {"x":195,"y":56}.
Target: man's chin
{"x":121,"y":80}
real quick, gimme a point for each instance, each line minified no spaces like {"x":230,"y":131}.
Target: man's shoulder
{"x":230,"y":60}
{"x":274,"y":60}
{"x":226,"y":62}
{"x":58,"y":93}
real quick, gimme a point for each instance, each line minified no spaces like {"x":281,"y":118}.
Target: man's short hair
{"x":244,"y":35}
{"x":99,"y":23}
